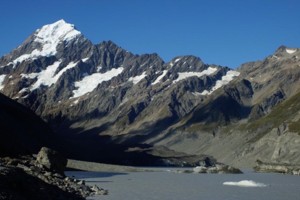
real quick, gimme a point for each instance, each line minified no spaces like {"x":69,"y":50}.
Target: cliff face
{"x":99,"y":96}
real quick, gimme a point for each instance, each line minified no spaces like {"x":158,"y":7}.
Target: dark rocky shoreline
{"x":26,"y":178}
{"x":282,"y":168}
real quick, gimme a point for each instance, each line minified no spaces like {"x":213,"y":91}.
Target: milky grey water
{"x":172,"y":186}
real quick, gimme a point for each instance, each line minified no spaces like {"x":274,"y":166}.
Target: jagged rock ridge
{"x":58,"y":73}
{"x":90,"y":90}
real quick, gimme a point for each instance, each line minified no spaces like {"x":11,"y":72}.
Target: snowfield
{"x":90,"y":82}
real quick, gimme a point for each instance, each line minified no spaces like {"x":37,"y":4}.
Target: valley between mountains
{"x":99,"y":102}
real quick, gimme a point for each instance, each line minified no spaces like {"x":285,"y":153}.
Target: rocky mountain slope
{"x":97,"y":96}
{"x":256,"y":116}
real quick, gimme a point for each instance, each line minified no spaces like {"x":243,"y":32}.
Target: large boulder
{"x":52,"y":160}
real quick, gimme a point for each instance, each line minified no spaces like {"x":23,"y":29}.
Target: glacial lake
{"x":168,"y":185}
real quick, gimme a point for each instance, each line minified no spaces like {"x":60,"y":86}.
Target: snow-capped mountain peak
{"x":51,"y":35}
{"x":45,"y":41}
{"x":57,"y":70}
{"x":56,"y":32}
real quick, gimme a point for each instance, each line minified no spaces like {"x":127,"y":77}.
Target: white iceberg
{"x":245,"y":183}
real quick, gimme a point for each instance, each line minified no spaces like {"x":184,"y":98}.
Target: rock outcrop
{"x":24,"y":178}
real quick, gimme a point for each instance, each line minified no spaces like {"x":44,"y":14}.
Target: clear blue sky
{"x":224,"y":32}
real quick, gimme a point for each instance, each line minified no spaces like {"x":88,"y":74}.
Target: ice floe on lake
{"x":245,"y":183}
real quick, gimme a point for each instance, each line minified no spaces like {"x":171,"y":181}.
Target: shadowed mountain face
{"x":22,"y":132}
{"x":104,"y":95}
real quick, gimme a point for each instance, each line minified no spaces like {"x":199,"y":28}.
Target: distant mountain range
{"x":105,"y":101}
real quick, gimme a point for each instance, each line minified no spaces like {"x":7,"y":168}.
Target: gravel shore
{"x":101,"y":167}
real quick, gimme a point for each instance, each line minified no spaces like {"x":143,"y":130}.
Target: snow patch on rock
{"x":224,"y":81}
{"x":48,"y":77}
{"x":160,"y":77}
{"x":185,"y":75}
{"x":177,"y":60}
{"x":137,"y":79}
{"x":291,"y":51}
{"x":2,"y":77}
{"x":85,"y":59}
{"x":89,"y":83}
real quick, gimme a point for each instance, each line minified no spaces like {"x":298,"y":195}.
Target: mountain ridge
{"x":102,"y":90}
